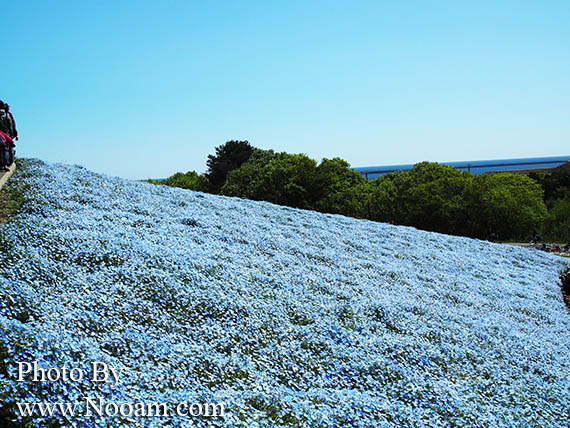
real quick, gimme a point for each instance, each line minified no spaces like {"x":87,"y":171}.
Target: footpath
{"x":556,"y":249}
{"x":5,"y":175}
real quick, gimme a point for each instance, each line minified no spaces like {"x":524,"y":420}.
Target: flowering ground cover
{"x":290,"y":318}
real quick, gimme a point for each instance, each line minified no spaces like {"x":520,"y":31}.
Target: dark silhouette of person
{"x":8,"y":133}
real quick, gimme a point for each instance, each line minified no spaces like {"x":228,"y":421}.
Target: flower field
{"x":290,"y":318}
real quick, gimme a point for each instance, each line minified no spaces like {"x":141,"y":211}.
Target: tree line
{"x":556,"y":186}
{"x":430,"y":196}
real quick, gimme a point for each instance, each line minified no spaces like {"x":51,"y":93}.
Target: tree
{"x":436,"y":198}
{"x":382,"y":197}
{"x":340,"y":189}
{"x":556,"y":184}
{"x":228,"y":157}
{"x":190,"y":180}
{"x":248,"y":181}
{"x":427,"y":172}
{"x":508,"y":206}
{"x":281,"y":178}
{"x":430,"y":196}
{"x":557,"y":224}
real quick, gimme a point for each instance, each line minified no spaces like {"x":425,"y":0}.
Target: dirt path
{"x":529,"y":245}
{"x":5,"y":175}
{"x":5,"y":209}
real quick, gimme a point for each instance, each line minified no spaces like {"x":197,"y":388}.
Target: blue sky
{"x":143,"y":89}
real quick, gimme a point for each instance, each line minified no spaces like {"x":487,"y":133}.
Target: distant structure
{"x":476,"y":167}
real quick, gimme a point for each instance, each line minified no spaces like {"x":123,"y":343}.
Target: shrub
{"x":509,"y":206}
{"x":228,"y":157}
{"x":281,"y":178}
{"x":190,"y":180}
{"x":340,"y":189}
{"x":556,"y":226}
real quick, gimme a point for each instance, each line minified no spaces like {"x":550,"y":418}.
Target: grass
{"x":10,"y":202}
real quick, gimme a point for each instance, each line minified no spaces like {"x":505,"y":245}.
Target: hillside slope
{"x":288,"y":317}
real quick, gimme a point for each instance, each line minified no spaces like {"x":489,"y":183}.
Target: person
{"x":4,"y":138}
{"x":536,"y":238}
{"x":13,"y":133}
{"x":8,"y":133}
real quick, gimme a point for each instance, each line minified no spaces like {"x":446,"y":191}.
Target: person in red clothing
{"x":13,"y":130}
{"x":8,"y":133}
{"x":5,"y":143}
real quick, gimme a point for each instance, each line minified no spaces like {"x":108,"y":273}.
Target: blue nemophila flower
{"x":290,"y":318}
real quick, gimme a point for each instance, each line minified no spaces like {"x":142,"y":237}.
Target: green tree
{"x":556,"y":184}
{"x":507,"y":206}
{"x":430,"y":196}
{"x":436,"y":199}
{"x":248,"y":181}
{"x":427,"y":172}
{"x":340,"y":189}
{"x":439,"y":205}
{"x":556,"y":226}
{"x":383,"y":197}
{"x":281,"y":178}
{"x":189,"y":180}
{"x":228,"y":157}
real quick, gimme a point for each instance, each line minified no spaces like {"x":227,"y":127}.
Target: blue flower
{"x":290,"y":318}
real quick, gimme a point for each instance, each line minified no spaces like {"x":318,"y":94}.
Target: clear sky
{"x":143,"y":89}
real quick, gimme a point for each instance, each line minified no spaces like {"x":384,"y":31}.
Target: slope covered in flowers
{"x":290,"y":318}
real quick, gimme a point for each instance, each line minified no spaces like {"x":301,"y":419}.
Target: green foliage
{"x":296,"y":180}
{"x":428,"y":172}
{"x":189,"y":180}
{"x":247,"y":181}
{"x":13,"y":194}
{"x":340,"y":189}
{"x":506,"y":205}
{"x":281,"y":178}
{"x":10,"y":203}
{"x":556,"y":185}
{"x":556,"y":226}
{"x":430,"y":196}
{"x":383,"y":198}
{"x":434,"y":198}
{"x":440,"y":198}
{"x":228,"y":157}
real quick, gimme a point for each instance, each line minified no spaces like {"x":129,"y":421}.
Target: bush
{"x":281,"y":178}
{"x":508,"y":206}
{"x":228,"y":157}
{"x":436,"y":199}
{"x":190,"y":180}
{"x":556,"y":226}
{"x":430,"y":197}
{"x":556,"y":184}
{"x":340,"y":189}
{"x":382,"y":197}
